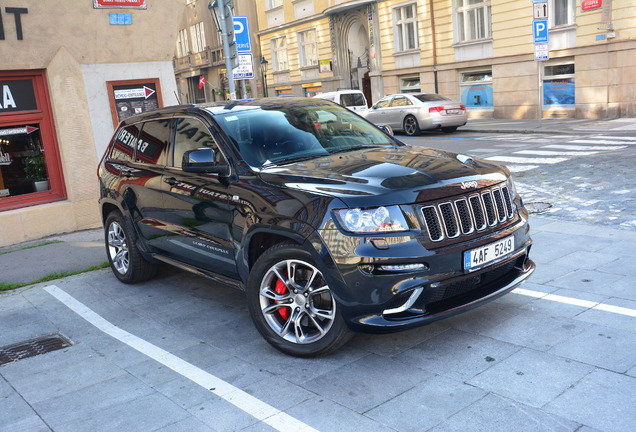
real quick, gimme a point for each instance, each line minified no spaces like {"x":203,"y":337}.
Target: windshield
{"x":277,"y":135}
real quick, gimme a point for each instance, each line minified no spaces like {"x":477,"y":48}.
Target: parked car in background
{"x":350,"y":99}
{"x":415,"y":112}
{"x":327,"y":223}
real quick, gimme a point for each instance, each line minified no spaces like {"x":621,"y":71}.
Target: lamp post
{"x":264,"y":64}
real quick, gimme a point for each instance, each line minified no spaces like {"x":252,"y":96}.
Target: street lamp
{"x":264,"y":64}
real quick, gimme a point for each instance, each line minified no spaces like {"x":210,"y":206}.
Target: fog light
{"x":403,"y":267}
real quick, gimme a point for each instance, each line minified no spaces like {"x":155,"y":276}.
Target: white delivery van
{"x":351,"y":99}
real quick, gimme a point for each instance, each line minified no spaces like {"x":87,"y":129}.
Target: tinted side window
{"x":351,"y":99}
{"x":383,"y":103}
{"x":125,"y":141}
{"x":152,"y":145}
{"x":191,"y":134}
{"x":400,"y":101}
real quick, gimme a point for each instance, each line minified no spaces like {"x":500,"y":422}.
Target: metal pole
{"x":223,"y":10}
{"x":540,"y":92}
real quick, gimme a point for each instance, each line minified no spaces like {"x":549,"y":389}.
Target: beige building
{"x":69,"y":72}
{"x":479,"y":51}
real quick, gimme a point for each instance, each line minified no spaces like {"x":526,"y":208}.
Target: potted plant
{"x":35,"y":170}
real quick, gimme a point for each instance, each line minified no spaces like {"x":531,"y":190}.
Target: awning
{"x":333,"y":10}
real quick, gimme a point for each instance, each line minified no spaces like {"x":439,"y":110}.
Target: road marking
{"x":240,"y":399}
{"x":555,"y":153}
{"x":576,"y":302}
{"x":580,"y":147}
{"x":602,"y":141}
{"x":522,"y":160}
{"x":628,"y":138}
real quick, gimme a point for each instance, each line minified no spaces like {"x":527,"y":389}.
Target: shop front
{"x":30,"y":171}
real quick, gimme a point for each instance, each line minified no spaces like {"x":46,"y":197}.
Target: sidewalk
{"x":554,"y":126}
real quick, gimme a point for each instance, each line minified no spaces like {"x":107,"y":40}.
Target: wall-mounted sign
{"x":17,"y":95}
{"x":128,"y":4}
{"x":587,"y":5}
{"x":325,"y":66}
{"x":128,"y":98}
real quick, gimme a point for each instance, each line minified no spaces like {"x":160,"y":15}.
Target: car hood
{"x":401,"y":175}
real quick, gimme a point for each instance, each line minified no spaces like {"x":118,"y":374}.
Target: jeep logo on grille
{"x":470,"y":184}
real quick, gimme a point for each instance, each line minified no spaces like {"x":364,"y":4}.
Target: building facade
{"x":199,"y":54}
{"x":69,"y":72}
{"x":481,"y":52}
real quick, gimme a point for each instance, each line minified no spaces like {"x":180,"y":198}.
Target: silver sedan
{"x":414,"y":112}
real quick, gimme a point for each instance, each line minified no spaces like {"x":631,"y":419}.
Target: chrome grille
{"x":465,"y":215}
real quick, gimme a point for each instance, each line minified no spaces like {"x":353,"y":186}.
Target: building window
{"x":558,"y":84}
{"x":198,"y":37}
{"x":284,"y":92}
{"x":308,"y":48}
{"x":279,"y":54}
{"x":312,"y":91}
{"x":405,"y":19}
{"x":410,"y":85}
{"x":476,"y":89}
{"x":271,"y":4}
{"x":473,"y":20}
{"x":182,"y":44}
{"x":30,"y":170}
{"x":562,"y":12}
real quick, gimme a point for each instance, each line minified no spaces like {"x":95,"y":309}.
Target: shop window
{"x":410,"y":85}
{"x":476,"y":89}
{"x":30,"y":170}
{"x":286,"y":92}
{"x":558,"y":84}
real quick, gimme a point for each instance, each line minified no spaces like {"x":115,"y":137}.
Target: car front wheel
{"x":127,"y":263}
{"x":411,"y":127}
{"x":292,"y":305}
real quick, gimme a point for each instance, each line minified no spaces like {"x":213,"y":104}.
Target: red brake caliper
{"x":280,"y":288}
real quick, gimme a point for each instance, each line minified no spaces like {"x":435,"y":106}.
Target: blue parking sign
{"x":540,"y":31}
{"x":242,"y":34}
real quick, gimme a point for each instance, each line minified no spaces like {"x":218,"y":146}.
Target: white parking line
{"x":576,"y":302}
{"x":584,"y":148}
{"x":529,"y":160}
{"x":244,"y":401}
{"x":555,"y":153}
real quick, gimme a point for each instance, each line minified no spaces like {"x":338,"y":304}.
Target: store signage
{"x":134,"y":93}
{"x":587,"y":5}
{"x":18,"y":130}
{"x":17,"y":95}
{"x":18,"y":21}
{"x":128,"y":4}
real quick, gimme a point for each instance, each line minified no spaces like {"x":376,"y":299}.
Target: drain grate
{"x":32,"y":348}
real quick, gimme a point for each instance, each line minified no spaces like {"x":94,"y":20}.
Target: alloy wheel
{"x":118,"y":247}
{"x":296,"y":302}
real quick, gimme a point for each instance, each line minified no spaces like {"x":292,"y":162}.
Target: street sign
{"x":587,"y":5}
{"x":540,"y":31}
{"x":245,"y":69}
{"x":540,"y":10}
{"x":541,"y":52}
{"x":242,"y":34}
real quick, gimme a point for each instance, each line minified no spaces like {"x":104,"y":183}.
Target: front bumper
{"x":386,"y":301}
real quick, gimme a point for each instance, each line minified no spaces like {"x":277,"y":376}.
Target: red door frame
{"x":43,"y":116}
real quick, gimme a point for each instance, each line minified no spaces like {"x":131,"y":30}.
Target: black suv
{"x":328,"y":223}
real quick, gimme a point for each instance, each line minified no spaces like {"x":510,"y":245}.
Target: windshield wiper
{"x":360,"y":147}
{"x":269,"y":164}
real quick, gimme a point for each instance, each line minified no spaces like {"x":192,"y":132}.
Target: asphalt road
{"x":178,"y":353}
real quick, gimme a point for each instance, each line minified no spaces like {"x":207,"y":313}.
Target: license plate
{"x":486,"y":254}
{"x":452,"y":111}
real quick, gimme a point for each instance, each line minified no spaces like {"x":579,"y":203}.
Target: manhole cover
{"x":537,"y":207}
{"x":32,"y":348}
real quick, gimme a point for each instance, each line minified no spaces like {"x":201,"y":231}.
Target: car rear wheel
{"x":292,"y":305}
{"x":410,"y":125}
{"x":127,"y":263}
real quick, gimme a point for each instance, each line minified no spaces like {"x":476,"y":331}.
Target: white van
{"x":351,"y":99}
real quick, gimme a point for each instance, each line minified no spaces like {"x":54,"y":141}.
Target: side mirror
{"x":386,"y":129}
{"x":201,"y":160}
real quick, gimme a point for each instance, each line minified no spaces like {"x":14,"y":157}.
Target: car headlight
{"x":380,"y":219}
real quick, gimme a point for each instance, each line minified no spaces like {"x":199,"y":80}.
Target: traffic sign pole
{"x":541,"y":45}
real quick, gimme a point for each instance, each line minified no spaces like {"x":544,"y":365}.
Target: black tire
{"x":449,"y":129}
{"x":127,"y":263}
{"x":297,"y":315}
{"x":411,"y":126}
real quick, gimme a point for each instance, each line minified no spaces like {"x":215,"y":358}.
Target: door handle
{"x":171,"y":181}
